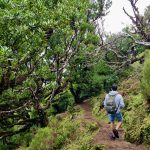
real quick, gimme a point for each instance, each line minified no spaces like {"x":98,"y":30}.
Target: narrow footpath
{"x":102,"y":136}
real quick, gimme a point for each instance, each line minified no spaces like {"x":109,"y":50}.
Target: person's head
{"x":114,"y":87}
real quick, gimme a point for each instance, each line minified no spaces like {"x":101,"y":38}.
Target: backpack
{"x":111,"y":106}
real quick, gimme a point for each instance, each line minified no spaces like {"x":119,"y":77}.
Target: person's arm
{"x":105,"y":101}
{"x":122,"y":105}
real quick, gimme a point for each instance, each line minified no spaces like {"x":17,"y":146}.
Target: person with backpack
{"x":113,"y":103}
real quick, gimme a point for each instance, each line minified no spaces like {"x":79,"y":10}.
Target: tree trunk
{"x":76,"y":94}
{"x":43,"y":118}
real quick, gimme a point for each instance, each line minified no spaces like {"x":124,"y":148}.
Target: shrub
{"x":98,"y":107}
{"x":91,"y":127}
{"x":53,"y":136}
{"x":146,"y":78}
{"x":4,"y":146}
{"x":66,"y":133}
{"x":41,"y":139}
{"x":61,"y":104}
{"x":146,"y":129}
{"x":134,"y":120}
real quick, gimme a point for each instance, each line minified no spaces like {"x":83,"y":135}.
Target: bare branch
{"x":147,"y":44}
{"x":137,"y":20}
{"x":15,"y":110}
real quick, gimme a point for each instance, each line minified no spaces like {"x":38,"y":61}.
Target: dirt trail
{"x":102,"y":136}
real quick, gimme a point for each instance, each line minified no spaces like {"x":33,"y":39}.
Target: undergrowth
{"x":136,"y":114}
{"x":97,"y":107}
{"x":64,"y":132}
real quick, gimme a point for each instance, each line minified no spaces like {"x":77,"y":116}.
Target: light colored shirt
{"x":118,"y":100}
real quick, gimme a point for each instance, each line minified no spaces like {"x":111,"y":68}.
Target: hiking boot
{"x":112,"y":137}
{"x":116,"y":133}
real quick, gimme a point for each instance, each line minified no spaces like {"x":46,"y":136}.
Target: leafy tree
{"x":39,"y":41}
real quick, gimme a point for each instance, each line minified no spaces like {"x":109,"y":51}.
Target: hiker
{"x":112,"y":103}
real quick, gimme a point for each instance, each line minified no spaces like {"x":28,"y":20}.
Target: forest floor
{"x":102,"y":136}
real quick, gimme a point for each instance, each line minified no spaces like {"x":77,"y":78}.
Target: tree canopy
{"x":42,"y":42}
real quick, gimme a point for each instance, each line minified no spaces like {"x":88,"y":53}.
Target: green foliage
{"x":91,"y":80}
{"x":146,"y":78}
{"x":97,"y":104}
{"x":125,"y":73}
{"x":18,"y":140}
{"x":122,"y":43}
{"x":62,"y":103}
{"x":135,"y":114}
{"x":23,"y":139}
{"x":4,"y":146}
{"x":83,"y":143}
{"x":40,"y":42}
{"x":146,"y":129}
{"x":99,"y":147}
{"x":103,"y":77}
{"x":137,"y":117}
{"x":40,"y":140}
{"x":53,"y":136}
{"x":91,"y":127}
{"x":83,"y":139}
{"x":64,"y":134}
{"x":134,"y":119}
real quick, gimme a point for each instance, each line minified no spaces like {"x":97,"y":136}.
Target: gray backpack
{"x":111,"y":106}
